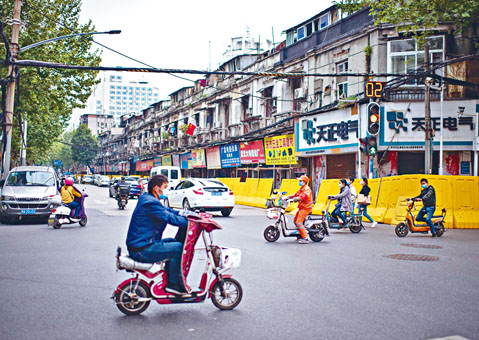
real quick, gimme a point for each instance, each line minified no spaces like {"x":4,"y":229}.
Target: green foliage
{"x":84,"y":145}
{"x":417,"y":17}
{"x":60,"y":150}
{"x":183,"y":128}
{"x":48,"y":96}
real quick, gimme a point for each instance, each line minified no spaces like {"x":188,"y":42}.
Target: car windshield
{"x":30,"y":178}
{"x":105,"y":178}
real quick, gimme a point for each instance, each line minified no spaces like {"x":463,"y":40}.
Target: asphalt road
{"x":57,"y":284}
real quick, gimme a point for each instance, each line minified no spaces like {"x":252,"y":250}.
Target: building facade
{"x":98,"y":123}
{"x":275,"y":127}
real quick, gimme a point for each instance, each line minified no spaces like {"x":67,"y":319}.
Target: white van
{"x":172,"y":172}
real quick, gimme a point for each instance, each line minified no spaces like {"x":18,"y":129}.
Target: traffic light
{"x":372,"y":146}
{"x":363,"y":145}
{"x":373,"y":119}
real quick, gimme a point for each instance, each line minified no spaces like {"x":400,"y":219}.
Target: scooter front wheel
{"x":127,"y":298}
{"x":229,"y":297}
{"x":271,"y":233}
{"x":401,"y":229}
{"x":83,"y":221}
{"x":439,"y":229}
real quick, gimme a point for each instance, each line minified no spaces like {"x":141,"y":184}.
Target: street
{"x":57,"y":284}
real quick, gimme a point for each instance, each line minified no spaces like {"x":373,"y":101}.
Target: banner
{"x":213,"y":160}
{"x":198,"y":158}
{"x":166,"y":160}
{"x":157,"y":161}
{"x":186,"y":161}
{"x":176,"y":160}
{"x":252,"y":152}
{"x":230,"y":155}
{"x":279,"y":150}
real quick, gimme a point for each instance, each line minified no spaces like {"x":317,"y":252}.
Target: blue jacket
{"x":149,"y":220}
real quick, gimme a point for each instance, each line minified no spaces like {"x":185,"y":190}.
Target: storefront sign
{"x":465,"y":168}
{"x":176,"y":160}
{"x":230,"y":155}
{"x":185,"y":161}
{"x":198,"y":158}
{"x":279,"y":150}
{"x":157,"y":161}
{"x":166,"y":160}
{"x":213,"y":158}
{"x":252,"y":152}
{"x":149,"y":164}
{"x":403,"y":125}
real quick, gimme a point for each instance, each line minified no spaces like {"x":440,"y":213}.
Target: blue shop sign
{"x":230,"y":155}
{"x":186,"y":160}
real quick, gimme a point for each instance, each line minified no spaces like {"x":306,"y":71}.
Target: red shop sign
{"x":252,"y":152}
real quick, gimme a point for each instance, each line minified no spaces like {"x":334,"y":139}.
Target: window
{"x":300,"y":33}
{"x":404,"y":56}
{"x":174,"y":174}
{"x":342,"y":67}
{"x":324,"y":21}
{"x":342,"y":90}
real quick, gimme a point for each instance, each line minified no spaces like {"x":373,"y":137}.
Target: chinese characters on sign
{"x":186,"y":161}
{"x":252,"y":152}
{"x":230,"y":155}
{"x":396,"y":121}
{"x":198,"y":158}
{"x":279,"y":150}
{"x":213,"y":158}
{"x":329,"y":132}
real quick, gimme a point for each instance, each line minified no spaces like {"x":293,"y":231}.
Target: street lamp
{"x":10,"y":96}
{"x":66,"y":37}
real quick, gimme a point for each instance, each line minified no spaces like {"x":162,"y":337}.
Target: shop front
{"x":186,"y":164}
{"x":281,"y":159}
{"x":401,"y":143}
{"x":213,"y":161}
{"x":328,"y":143}
{"x":252,"y":160}
{"x":230,"y":160}
{"x":198,"y":160}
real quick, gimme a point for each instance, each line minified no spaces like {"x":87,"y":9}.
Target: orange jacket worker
{"x":305,"y":198}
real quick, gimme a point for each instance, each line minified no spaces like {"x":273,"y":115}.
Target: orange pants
{"x":299,"y":219}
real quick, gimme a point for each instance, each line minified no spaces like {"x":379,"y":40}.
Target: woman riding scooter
{"x":69,"y":192}
{"x":346,"y":203}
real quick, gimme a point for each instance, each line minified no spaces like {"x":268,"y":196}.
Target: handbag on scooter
{"x":364,"y":200}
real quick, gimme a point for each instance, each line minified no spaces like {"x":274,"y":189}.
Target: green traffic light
{"x":373,"y":150}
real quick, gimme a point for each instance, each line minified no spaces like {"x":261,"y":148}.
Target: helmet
{"x":68,"y":181}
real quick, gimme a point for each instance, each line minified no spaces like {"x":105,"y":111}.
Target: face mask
{"x":424,"y":186}
{"x":362,"y":183}
{"x":162,"y":197}
{"x":301,"y":183}
{"x":340,"y":185}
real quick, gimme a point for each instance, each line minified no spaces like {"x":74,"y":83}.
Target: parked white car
{"x":204,"y":194}
{"x":102,"y":181}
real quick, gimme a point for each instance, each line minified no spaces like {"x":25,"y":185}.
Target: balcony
{"x":337,"y":31}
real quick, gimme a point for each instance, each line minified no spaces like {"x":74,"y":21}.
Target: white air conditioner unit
{"x":249,"y":111}
{"x":299,"y":93}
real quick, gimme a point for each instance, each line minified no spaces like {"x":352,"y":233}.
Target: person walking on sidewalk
{"x":354,"y":193}
{"x":428,"y":198}
{"x":363,"y":205}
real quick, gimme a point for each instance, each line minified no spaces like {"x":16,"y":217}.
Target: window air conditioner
{"x":299,"y":93}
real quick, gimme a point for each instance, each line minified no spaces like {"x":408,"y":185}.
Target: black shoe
{"x":175,"y":289}
{"x":434,"y":235}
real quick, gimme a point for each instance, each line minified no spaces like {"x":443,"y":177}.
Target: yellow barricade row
{"x":251,"y":189}
{"x":466,"y":202}
{"x":265,"y":186}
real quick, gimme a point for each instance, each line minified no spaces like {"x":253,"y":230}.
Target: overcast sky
{"x":176,"y":34}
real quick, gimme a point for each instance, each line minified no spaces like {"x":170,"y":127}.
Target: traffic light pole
{"x":359,"y":170}
{"x":10,"y":97}
{"x":427,"y":116}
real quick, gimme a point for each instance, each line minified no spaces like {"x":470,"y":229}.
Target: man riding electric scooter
{"x":305,"y":198}
{"x":147,"y":224}
{"x":428,"y":198}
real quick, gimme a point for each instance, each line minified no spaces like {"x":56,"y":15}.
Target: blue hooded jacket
{"x":149,"y":220}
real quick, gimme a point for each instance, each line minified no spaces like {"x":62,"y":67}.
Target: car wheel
{"x":109,"y":193}
{"x":186,"y":204}
{"x":226,"y":212}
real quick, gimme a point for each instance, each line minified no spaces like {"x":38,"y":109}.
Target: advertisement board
{"x":176,"y":160}
{"x":213,"y":160}
{"x":279,"y":150}
{"x":166,"y":160}
{"x":252,"y":152}
{"x":185,"y":161}
{"x":230,"y":155}
{"x":198,"y":158}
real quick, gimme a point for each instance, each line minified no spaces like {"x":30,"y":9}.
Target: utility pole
{"x":10,"y":97}
{"x":427,"y":115}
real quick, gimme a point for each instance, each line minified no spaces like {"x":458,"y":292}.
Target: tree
{"x":84,"y":145}
{"x":60,"y":150}
{"x":48,"y":96}
{"x":419,"y":17}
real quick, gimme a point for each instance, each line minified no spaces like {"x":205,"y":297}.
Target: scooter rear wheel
{"x":271,"y":233}
{"x":125,"y":299}
{"x":355,"y":225}
{"x":56,"y":224}
{"x":233,"y":293}
{"x":317,"y":236}
{"x":401,"y":229}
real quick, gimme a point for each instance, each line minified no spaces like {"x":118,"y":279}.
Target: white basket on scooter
{"x":227,"y":258}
